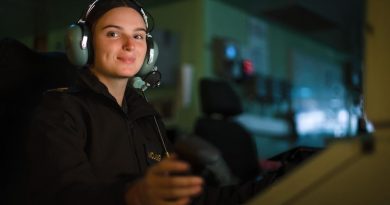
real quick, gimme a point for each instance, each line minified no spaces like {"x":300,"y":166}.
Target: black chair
{"x":219,"y":104}
{"x":25,"y":76}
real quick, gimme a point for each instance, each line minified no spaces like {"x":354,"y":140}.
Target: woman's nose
{"x":128,"y":44}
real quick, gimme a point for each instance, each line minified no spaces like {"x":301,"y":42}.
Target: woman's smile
{"x":126,"y":59}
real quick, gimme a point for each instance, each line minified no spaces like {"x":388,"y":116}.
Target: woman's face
{"x":119,"y":42}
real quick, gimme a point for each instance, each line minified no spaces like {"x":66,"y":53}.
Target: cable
{"x":158,"y":129}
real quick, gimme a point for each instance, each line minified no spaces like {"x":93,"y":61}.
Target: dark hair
{"x":100,"y":7}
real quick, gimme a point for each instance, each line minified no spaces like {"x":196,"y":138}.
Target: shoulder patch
{"x":61,"y":90}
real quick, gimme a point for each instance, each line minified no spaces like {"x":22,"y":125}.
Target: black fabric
{"x":84,"y":149}
{"x":31,"y":72}
{"x":54,"y":71}
{"x":14,"y":108}
{"x":218,"y":97}
{"x":25,"y":75}
{"x":234,"y":141}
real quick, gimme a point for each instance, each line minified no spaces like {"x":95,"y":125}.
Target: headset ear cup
{"x":148,"y":76}
{"x":150,"y":58}
{"x":77,"y":44}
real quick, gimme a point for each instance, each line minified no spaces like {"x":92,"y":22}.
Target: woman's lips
{"x":127,"y":60}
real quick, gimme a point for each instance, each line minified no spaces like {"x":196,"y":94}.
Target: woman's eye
{"x":112,"y":34}
{"x":139,"y":36}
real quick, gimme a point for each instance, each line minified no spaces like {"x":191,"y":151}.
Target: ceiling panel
{"x":25,"y":17}
{"x":337,"y":23}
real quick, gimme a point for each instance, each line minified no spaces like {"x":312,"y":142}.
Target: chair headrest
{"x":25,"y":68}
{"x":218,"y":97}
{"x":56,"y":70}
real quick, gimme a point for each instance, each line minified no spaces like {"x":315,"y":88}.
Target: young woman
{"x":97,"y":142}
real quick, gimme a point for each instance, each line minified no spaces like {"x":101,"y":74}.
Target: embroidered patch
{"x":154,"y":156}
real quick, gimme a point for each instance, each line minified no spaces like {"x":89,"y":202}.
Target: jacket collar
{"x":90,"y":82}
{"x":135,"y":105}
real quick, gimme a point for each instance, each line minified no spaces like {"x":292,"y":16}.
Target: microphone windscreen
{"x":138,"y":83}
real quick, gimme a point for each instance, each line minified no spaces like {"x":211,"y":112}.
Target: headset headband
{"x":143,"y":13}
{"x":84,"y":17}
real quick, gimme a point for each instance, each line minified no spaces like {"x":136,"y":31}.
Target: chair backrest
{"x":218,"y":97}
{"x":23,"y":69}
{"x":25,"y":75}
{"x":235,"y":142}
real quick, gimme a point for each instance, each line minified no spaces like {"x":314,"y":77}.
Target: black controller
{"x":205,"y":160}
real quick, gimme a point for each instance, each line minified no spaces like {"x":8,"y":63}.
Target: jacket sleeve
{"x":60,"y":171}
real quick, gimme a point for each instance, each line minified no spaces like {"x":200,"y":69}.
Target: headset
{"x":80,"y":52}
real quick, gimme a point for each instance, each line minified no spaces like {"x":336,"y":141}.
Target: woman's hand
{"x":166,"y":183}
